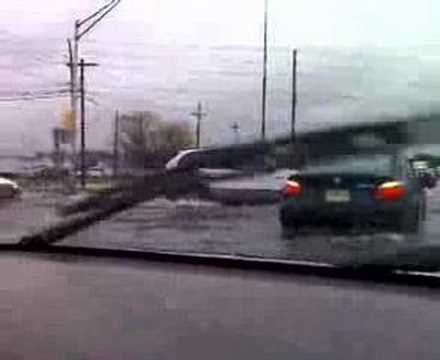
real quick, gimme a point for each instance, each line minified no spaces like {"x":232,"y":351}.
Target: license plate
{"x":337,"y":196}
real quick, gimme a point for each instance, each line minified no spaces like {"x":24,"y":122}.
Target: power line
{"x":88,"y":18}
{"x":33,"y":93}
{"x":42,"y":96}
{"x":25,"y":95}
{"x":104,"y":10}
{"x":32,"y":98}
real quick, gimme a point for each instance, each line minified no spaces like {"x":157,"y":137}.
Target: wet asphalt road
{"x":27,"y":214}
{"x":208,"y":227}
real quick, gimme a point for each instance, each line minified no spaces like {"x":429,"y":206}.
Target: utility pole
{"x":78,"y":32}
{"x":264,"y":85}
{"x":294,"y":97}
{"x":72,"y":116}
{"x":116,"y":145}
{"x":56,"y":133}
{"x":236,"y":129}
{"x":83,"y":126}
{"x":294,"y":150}
{"x":82,"y":65}
{"x":199,"y":115}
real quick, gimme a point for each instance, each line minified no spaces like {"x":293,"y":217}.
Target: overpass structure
{"x":331,"y":141}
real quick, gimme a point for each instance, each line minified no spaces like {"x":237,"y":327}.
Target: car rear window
{"x":374,"y":164}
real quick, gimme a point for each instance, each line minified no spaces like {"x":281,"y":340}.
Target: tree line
{"x":149,"y":141}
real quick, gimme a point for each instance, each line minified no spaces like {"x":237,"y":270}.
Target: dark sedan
{"x":371,"y":191}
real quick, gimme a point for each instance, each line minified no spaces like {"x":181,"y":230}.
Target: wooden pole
{"x":264,"y":85}
{"x":116,"y":146}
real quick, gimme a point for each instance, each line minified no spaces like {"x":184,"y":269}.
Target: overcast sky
{"x":37,"y":62}
{"x":299,"y":22}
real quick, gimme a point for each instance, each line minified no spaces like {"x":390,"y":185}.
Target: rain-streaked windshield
{"x":174,"y":126}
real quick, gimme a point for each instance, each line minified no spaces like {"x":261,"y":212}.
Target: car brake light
{"x":292,"y":188}
{"x":391,"y":190}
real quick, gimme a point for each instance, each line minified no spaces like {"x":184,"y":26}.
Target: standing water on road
{"x":164,"y":60}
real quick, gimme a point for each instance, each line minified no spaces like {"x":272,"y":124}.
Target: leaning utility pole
{"x":199,"y":115}
{"x":264,"y":85}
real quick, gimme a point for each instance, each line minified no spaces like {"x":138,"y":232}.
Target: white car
{"x":177,"y":161}
{"x":8,"y":188}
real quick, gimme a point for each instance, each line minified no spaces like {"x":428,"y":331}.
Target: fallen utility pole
{"x":101,"y":206}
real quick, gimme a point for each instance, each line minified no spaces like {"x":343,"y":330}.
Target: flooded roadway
{"x":207,"y":227}
{"x":27,"y":214}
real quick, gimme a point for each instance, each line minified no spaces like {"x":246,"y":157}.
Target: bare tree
{"x":148,"y":141}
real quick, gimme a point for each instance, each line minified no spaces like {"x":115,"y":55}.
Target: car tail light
{"x":390,"y":191}
{"x":292,"y":188}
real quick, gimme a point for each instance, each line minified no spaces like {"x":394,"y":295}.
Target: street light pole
{"x":89,"y":22}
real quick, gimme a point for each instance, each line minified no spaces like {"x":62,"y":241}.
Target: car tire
{"x":289,"y":232}
{"x":285,"y":220}
{"x":424,"y":210}
{"x":289,"y":227}
{"x":412,"y":221}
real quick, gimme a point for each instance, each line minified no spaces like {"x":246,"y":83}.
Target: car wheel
{"x":289,"y":228}
{"x":285,"y":220}
{"x":424,"y":210}
{"x":289,"y":232}
{"x":412,"y":221}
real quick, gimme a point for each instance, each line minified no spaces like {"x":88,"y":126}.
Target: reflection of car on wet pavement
{"x":8,"y":188}
{"x":260,"y":188}
{"x":378,"y":190}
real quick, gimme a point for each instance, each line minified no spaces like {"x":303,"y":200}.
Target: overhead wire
{"x":88,"y":18}
{"x":108,"y":8}
{"x":41,"y":95}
